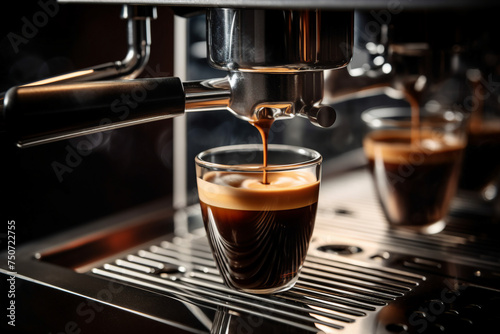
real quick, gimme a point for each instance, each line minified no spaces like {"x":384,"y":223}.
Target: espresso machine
{"x":103,"y":231}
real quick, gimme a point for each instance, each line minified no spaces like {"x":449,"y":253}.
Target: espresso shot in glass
{"x":415,"y":164}
{"x":259,"y":226}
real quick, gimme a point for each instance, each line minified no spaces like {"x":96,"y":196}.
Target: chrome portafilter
{"x":276,"y":59}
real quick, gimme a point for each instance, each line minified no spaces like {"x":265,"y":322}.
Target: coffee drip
{"x":264,"y":126}
{"x":412,"y":63}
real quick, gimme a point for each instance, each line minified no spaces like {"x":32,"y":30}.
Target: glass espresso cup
{"x":259,"y":232}
{"x":415,"y":167}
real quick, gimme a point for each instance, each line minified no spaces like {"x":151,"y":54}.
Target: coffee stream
{"x":264,"y":125}
{"x":415,"y":120}
{"x":413,"y":89}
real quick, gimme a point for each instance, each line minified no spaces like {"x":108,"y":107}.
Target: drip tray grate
{"x":330,"y":294}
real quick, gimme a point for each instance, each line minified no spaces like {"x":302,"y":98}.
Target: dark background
{"x":125,"y":168}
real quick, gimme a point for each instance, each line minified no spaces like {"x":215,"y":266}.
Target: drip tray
{"x":133,"y":274}
{"x":81,"y":253}
{"x":334,"y":292}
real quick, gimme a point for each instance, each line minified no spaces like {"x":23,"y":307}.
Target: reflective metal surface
{"x":256,"y":95}
{"x":277,"y":41}
{"x":332,"y":4}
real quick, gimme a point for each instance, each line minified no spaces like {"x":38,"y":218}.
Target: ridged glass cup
{"x":415,"y":169}
{"x":259,"y":233}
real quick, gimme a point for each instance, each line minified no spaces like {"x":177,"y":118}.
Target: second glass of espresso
{"x":259,"y":220}
{"x":415,"y":162}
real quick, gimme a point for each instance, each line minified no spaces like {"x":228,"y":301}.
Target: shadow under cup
{"x":415,"y":166}
{"x":259,"y":233}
